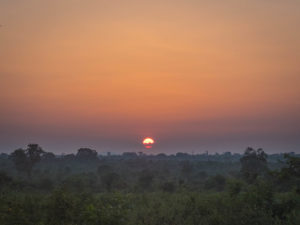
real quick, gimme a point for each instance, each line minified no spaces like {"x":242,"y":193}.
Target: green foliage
{"x":234,"y":187}
{"x":145,"y":180}
{"x":257,"y":204}
{"x":148,"y":190}
{"x":293,"y":165}
{"x":20,"y":160}
{"x":216,"y":182}
{"x":109,"y":180}
{"x":4,"y":179}
{"x":168,"y":186}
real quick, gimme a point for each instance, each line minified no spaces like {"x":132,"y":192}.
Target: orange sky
{"x":196,"y":75}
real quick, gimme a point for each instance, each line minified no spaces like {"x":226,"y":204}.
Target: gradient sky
{"x":194,"y":75}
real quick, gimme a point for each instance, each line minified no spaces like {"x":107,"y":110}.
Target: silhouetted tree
{"x":86,"y":154}
{"x":289,"y":175}
{"x":293,"y":165}
{"x":182,"y":155}
{"x":129,"y":155}
{"x":69,"y":157}
{"x":254,"y":163}
{"x":48,"y":156}
{"x":24,"y":160}
{"x":161,"y":155}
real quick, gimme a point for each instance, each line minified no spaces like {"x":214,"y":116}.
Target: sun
{"x":148,"y":142}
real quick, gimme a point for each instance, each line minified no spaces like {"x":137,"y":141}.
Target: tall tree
{"x":86,"y":154}
{"x":254,"y":163}
{"x":293,"y":165}
{"x":24,"y":160}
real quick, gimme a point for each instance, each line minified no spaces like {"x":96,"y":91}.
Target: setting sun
{"x":140,"y":111}
{"x":148,"y":142}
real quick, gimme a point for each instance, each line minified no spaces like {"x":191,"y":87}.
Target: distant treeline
{"x":39,"y":187}
{"x":93,"y":154}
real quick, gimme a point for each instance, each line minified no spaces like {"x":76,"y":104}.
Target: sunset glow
{"x":194,"y":73}
{"x":149,"y":112}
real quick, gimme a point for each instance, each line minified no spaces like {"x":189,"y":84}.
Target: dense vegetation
{"x":39,"y":188}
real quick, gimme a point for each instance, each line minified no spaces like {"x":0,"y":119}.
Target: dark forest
{"x":39,"y":188}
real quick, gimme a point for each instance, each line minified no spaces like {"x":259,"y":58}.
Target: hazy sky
{"x":194,"y":75}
